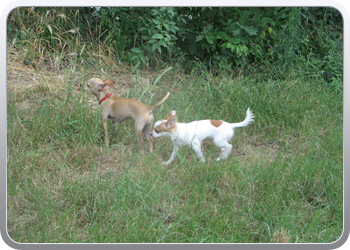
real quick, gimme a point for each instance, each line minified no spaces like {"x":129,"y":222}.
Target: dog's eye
{"x":157,"y":131}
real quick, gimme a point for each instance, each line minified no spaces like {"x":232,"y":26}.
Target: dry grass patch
{"x":281,"y":236}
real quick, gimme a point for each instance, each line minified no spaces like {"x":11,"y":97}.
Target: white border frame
{"x":7,"y":5}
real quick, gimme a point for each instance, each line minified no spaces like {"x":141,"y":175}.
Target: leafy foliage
{"x":236,"y":40}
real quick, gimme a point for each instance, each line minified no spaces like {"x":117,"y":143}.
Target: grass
{"x":283,"y":182}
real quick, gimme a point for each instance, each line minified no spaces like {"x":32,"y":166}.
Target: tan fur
{"x":164,"y":127}
{"x":119,"y":109}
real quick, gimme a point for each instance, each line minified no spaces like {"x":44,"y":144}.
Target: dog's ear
{"x":104,"y":86}
{"x":109,"y":82}
{"x":171,"y":122}
{"x":171,"y":114}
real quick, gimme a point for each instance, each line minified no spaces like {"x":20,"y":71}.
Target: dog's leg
{"x":196,"y":146}
{"x":224,"y":153}
{"x":105,"y":128}
{"x":225,"y":149}
{"x":172,"y":157}
{"x":139,"y":138}
{"x":138,"y":129}
{"x":115,"y":126}
{"x":147,"y":131}
{"x":227,"y":152}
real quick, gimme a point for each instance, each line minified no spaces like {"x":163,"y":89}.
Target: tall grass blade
{"x":160,"y":76}
{"x":136,"y":67}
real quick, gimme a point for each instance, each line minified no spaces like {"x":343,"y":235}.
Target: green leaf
{"x":236,"y":32}
{"x":154,"y":47}
{"x":242,"y":50}
{"x":143,"y":59}
{"x":162,"y":43}
{"x":228,"y":46}
{"x":157,"y":36}
{"x":166,"y":26}
{"x":210,"y":27}
{"x":210,"y":39}
{"x":199,"y":38}
{"x":136,"y":50}
{"x":234,"y":40}
{"x":134,"y":57}
{"x":222,"y":35}
{"x":251,"y":30}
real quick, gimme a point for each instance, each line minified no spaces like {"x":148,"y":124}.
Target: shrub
{"x":236,"y":40}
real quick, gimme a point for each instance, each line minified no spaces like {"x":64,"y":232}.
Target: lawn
{"x":283,"y":181}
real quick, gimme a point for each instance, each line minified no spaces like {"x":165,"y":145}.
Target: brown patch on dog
{"x":109,"y":82}
{"x":162,"y":128}
{"x":216,"y":123}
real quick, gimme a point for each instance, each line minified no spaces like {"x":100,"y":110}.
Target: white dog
{"x":192,"y":134}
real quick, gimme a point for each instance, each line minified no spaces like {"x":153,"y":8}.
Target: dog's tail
{"x":158,"y":103}
{"x":248,"y":120}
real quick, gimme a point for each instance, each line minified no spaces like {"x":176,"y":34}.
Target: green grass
{"x":283,"y":181}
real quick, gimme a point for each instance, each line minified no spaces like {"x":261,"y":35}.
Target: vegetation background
{"x":282,"y":183}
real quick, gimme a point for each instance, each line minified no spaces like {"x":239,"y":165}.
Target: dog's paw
{"x":166,"y":163}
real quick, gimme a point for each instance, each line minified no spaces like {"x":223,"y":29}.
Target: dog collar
{"x":104,"y":98}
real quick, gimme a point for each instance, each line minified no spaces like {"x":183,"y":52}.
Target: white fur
{"x":192,"y":134}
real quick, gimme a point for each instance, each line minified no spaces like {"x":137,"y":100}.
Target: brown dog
{"x":119,"y":109}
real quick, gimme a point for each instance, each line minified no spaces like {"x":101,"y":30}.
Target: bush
{"x":237,"y":40}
